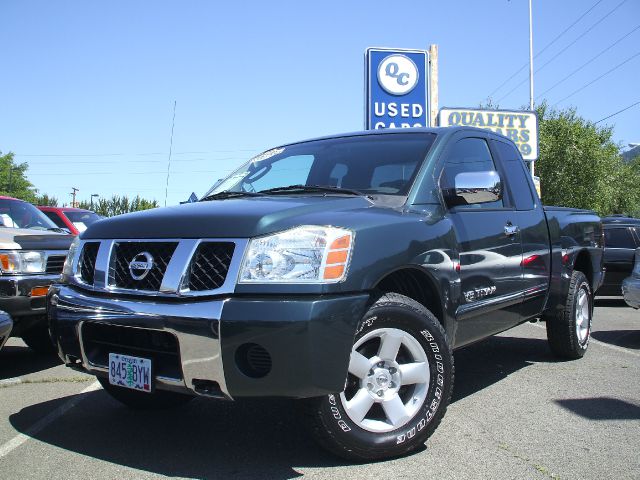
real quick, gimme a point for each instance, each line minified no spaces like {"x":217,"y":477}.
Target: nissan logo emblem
{"x":141,"y":265}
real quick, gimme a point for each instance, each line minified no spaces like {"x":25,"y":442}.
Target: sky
{"x":87,"y":89}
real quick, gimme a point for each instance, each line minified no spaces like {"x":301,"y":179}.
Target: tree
{"x":46,"y":200}
{"x":580,"y":166}
{"x":118,"y":205}
{"x":13,"y":181}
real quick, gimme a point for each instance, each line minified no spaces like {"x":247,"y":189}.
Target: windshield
{"x":18,"y":214}
{"x":371,"y":164}
{"x":82,"y":219}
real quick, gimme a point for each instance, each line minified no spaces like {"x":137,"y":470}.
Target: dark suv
{"x":622,"y":237}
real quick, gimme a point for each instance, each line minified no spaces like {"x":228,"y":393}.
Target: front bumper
{"x":16,"y":299}
{"x":5,"y":328}
{"x":300,"y":346}
{"x":631,"y":291}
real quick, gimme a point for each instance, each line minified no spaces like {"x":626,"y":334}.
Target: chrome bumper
{"x":194,"y":324}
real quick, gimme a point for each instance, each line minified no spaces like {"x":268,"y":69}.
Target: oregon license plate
{"x":130,"y":372}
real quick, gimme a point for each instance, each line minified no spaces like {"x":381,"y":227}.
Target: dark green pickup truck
{"x":342,"y":271}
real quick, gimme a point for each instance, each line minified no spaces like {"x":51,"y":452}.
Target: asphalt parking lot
{"x":516,"y":413}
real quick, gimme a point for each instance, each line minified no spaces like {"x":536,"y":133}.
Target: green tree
{"x":46,"y":200}
{"x":580,"y":166}
{"x":117,"y":205}
{"x":13,"y":179}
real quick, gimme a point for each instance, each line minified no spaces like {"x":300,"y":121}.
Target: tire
{"x":159,"y":399}
{"x":569,"y":330}
{"x":382,"y":413}
{"x":37,"y":338}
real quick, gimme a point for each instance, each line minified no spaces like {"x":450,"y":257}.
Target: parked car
{"x":5,"y":328}
{"x":631,"y":285}
{"x":32,"y":255}
{"x":330,"y":271}
{"x":622,"y":237}
{"x":75,"y":220}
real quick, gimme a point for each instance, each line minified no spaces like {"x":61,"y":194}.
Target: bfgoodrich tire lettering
{"x":408,"y":392}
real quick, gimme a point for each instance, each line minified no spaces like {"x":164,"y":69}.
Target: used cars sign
{"x":396,"y":84}
{"x":518,"y":125}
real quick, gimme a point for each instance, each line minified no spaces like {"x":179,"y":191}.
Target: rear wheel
{"x":145,"y":401}
{"x":399,"y":383}
{"x":569,"y":330}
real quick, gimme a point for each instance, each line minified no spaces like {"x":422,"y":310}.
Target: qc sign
{"x":397,"y":88}
{"x":521,"y":126}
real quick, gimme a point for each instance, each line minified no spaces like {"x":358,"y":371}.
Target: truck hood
{"x":32,"y":239}
{"x":236,"y":218}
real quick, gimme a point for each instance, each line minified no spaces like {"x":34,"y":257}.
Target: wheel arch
{"x":417,"y":284}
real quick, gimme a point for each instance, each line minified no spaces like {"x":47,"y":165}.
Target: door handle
{"x":510,"y":230}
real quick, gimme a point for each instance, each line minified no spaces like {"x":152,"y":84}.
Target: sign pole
{"x":531,"y":69}
{"x":433,"y":78}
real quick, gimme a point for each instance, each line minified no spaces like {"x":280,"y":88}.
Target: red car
{"x":76,"y":220}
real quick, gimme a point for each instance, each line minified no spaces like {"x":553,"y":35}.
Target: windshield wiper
{"x":312,"y":188}
{"x":229,"y":194}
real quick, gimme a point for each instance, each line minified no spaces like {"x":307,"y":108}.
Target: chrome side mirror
{"x":471,"y":188}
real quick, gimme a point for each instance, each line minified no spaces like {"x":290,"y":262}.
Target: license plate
{"x":130,"y":372}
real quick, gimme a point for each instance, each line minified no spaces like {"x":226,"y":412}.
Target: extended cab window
{"x":618,"y":238}
{"x":517,"y":174}
{"x":469,"y":155}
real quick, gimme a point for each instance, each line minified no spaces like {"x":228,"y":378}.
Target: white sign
{"x":519,"y":126}
{"x":398,"y":75}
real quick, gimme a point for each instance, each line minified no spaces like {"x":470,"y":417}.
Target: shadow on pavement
{"x":252,"y":438}
{"x":601,"y":408}
{"x":617,"y":302}
{"x":621,"y":338}
{"x":483,"y":364}
{"x":205,"y":439}
{"x":16,"y":361}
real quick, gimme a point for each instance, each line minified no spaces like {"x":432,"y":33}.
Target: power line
{"x":597,"y":78}
{"x":118,"y":172}
{"x":111,"y":162}
{"x":565,"y":48}
{"x":546,"y":47}
{"x":173,"y":124}
{"x":619,"y":111}
{"x":588,"y":62}
{"x":132,"y":154}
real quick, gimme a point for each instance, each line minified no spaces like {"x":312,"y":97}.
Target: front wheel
{"x":159,"y":399}
{"x":399,"y":383}
{"x":569,"y":330}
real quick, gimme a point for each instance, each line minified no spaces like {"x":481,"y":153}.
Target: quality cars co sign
{"x":520,"y":126}
{"x":396,"y":86}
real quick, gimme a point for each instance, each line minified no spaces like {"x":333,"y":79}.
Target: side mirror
{"x":472,"y":188}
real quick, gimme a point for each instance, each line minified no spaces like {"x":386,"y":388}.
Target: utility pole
{"x":73,"y":196}
{"x":531,"y":67}
{"x":433,"y":88}
{"x":173,"y":123}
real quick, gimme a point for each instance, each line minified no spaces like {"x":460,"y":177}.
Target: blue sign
{"x":397,"y":88}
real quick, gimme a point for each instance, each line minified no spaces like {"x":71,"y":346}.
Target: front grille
{"x":124,"y":253}
{"x":87,"y":263}
{"x":210,"y":265}
{"x":55,"y":263}
{"x":101,"y":339}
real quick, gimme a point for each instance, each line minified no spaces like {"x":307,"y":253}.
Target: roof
{"x":46,"y":208}
{"x":2,"y":197}
{"x":387,"y":131}
{"x":621,"y":220}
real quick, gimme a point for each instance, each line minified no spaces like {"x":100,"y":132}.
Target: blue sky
{"x":87,"y":88}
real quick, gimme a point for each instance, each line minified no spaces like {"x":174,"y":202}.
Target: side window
{"x":55,"y":219}
{"x":517,"y":173}
{"x":618,"y":238}
{"x":469,"y":155}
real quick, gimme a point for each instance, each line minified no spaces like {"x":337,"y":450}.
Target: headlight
{"x":306,"y":254}
{"x":16,"y":261}
{"x":67,"y":270}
